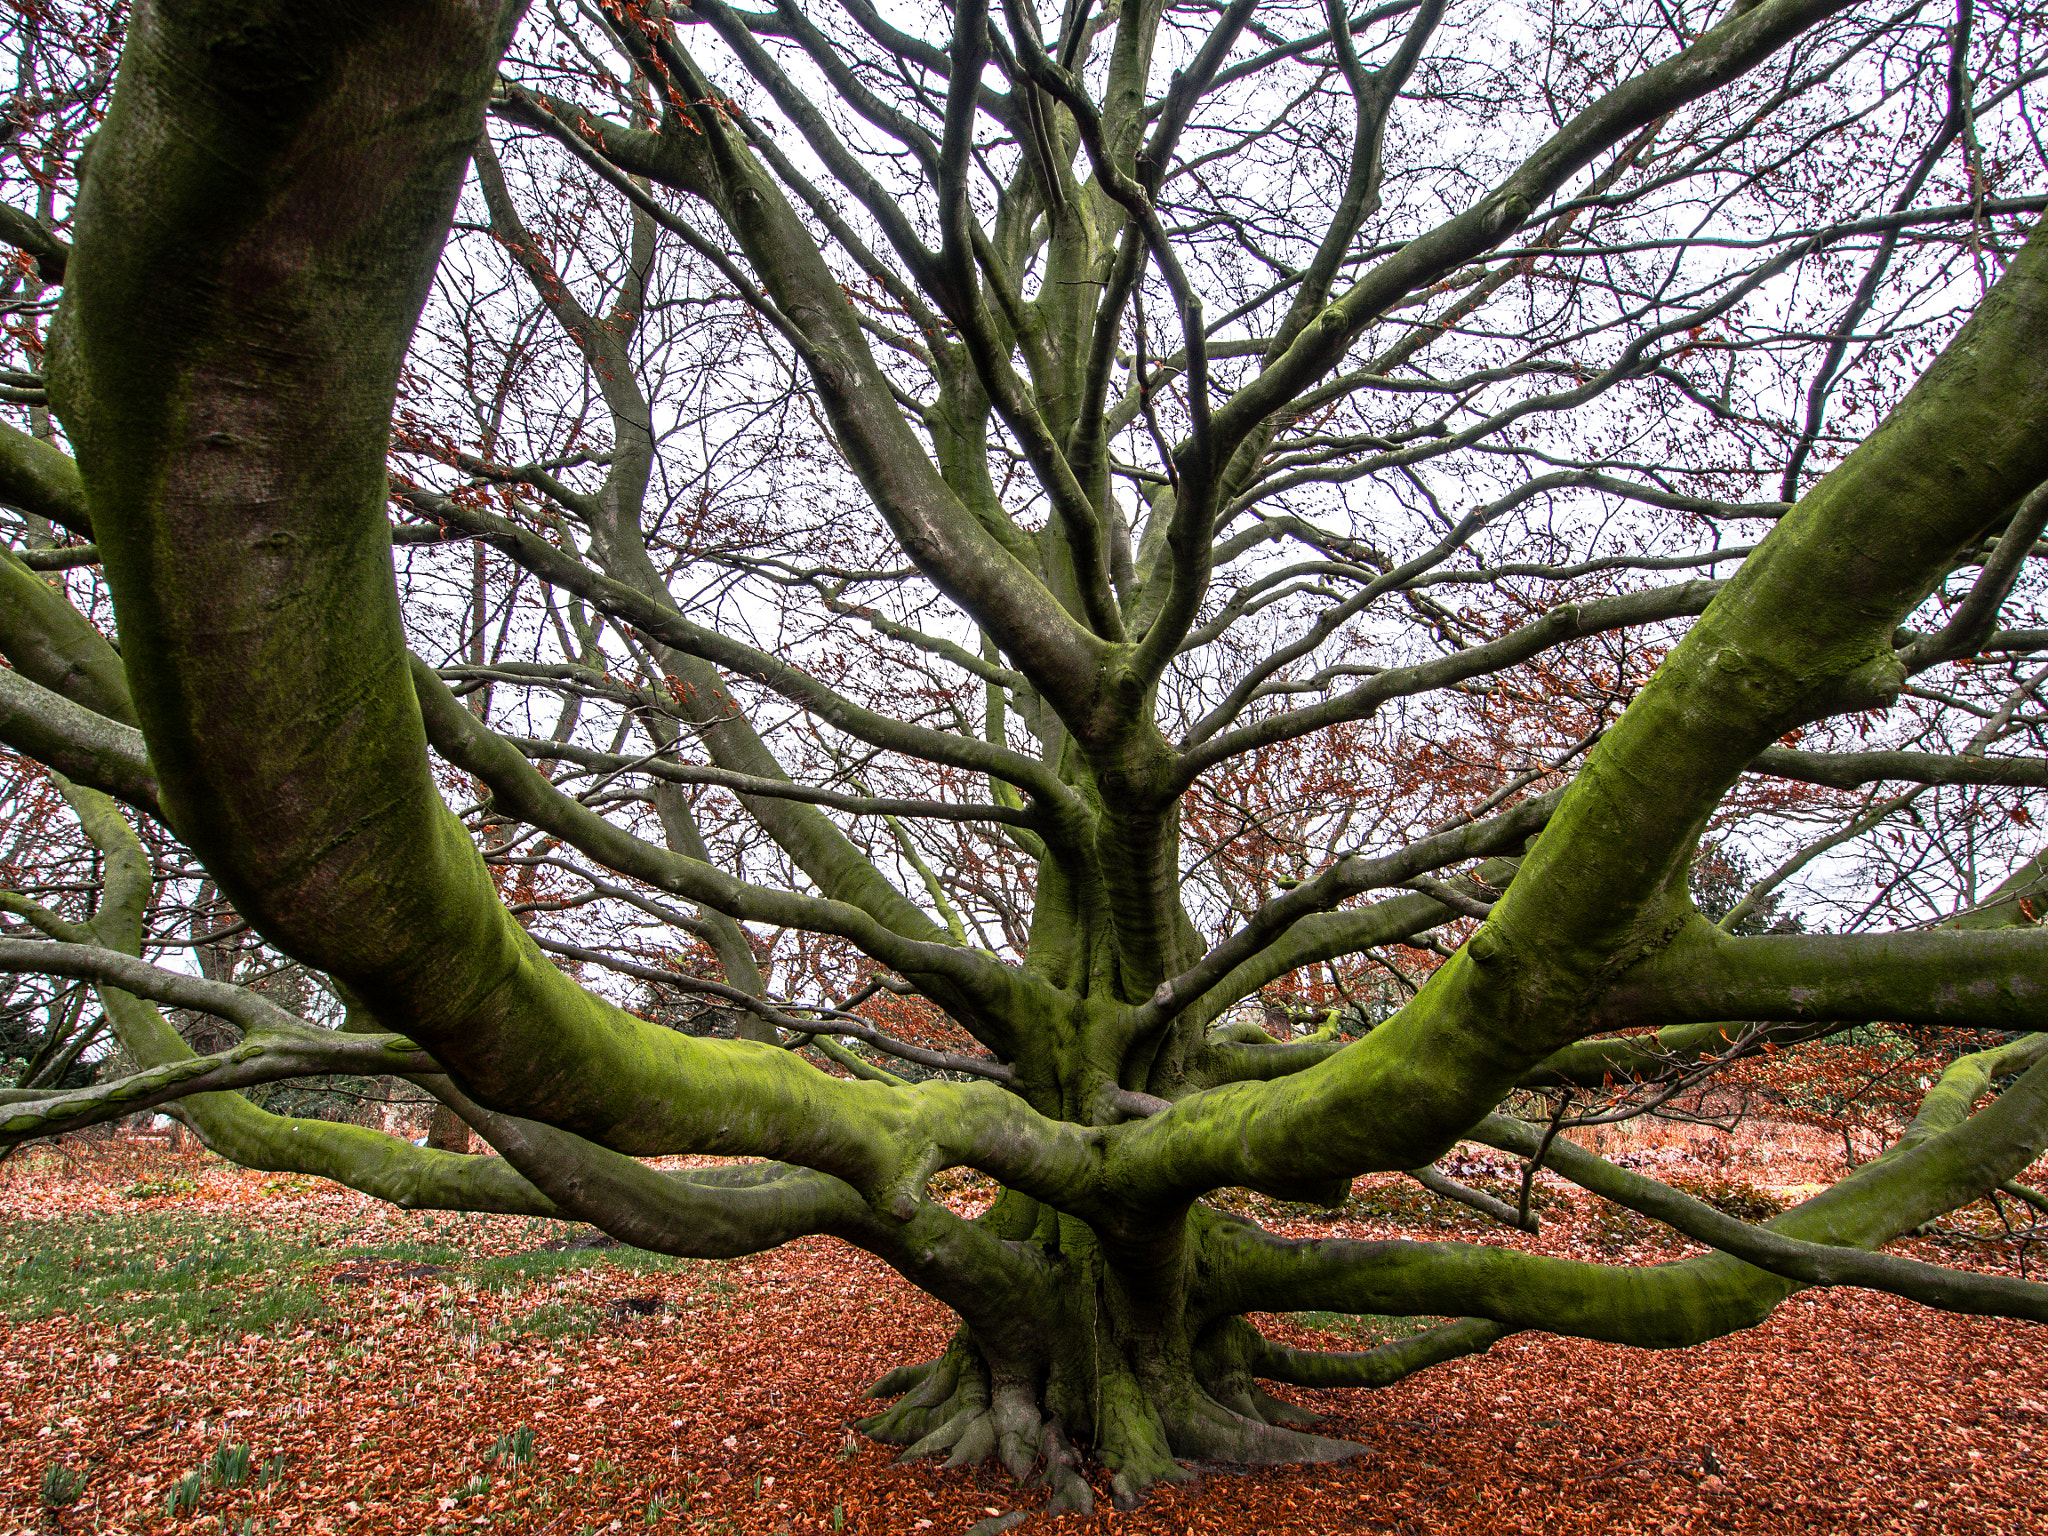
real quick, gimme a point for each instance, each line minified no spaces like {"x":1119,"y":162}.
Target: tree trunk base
{"x":1146,"y":1433}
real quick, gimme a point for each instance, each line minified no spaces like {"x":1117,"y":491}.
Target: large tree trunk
{"x":1129,"y":1368}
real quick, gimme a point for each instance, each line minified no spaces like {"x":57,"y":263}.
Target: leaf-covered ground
{"x":218,"y":1350}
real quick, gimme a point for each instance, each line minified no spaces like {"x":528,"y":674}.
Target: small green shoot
{"x":229,"y":1467}
{"x":182,"y":1502}
{"x":514,"y":1448}
{"x":62,"y":1485}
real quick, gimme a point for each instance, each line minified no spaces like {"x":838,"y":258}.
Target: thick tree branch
{"x":39,"y":477}
{"x":1991,"y":979}
{"x":1946,"y":1159}
{"x":1853,"y":770}
{"x":76,"y":741}
{"x":1380,"y":1367}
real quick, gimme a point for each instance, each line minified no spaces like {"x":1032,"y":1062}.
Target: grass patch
{"x":207,"y":1274}
{"x":168,"y":1271}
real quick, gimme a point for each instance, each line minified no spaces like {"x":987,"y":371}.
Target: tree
{"x":1253,"y":442}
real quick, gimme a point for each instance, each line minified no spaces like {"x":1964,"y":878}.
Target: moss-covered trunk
{"x":1127,"y":1365}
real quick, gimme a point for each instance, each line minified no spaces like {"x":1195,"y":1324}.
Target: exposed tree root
{"x":953,"y":1407}
{"x":901,"y":1380}
{"x":1212,"y":1432}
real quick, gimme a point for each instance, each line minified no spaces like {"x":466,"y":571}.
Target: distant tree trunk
{"x":446,"y":1131}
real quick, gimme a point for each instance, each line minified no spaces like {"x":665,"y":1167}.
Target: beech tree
{"x":1145,"y":599}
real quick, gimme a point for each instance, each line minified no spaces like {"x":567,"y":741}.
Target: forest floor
{"x":217,"y":1350}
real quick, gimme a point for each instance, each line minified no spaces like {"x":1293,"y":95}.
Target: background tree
{"x":993,"y":549}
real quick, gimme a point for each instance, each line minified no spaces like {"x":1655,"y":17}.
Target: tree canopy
{"x":1145,"y":598}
